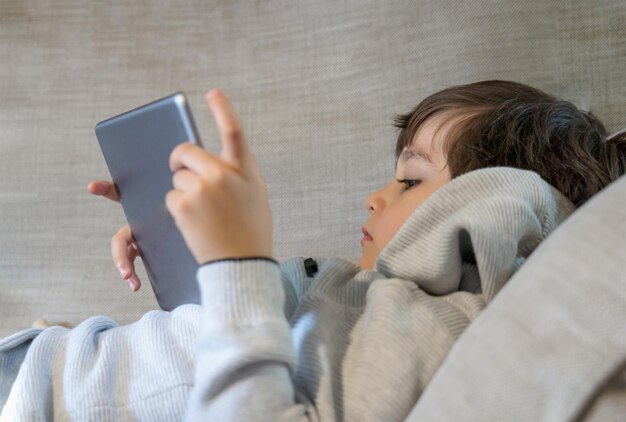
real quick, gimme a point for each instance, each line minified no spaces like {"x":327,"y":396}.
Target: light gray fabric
{"x":271,"y":342}
{"x":552,"y":345}
{"x":315,"y":83}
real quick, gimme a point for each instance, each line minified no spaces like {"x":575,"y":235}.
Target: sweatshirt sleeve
{"x":244,"y":354}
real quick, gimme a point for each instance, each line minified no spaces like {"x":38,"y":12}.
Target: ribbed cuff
{"x":241,"y":291}
{"x":241,"y":258}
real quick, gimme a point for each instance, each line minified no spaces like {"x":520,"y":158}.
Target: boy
{"x":348,"y":342}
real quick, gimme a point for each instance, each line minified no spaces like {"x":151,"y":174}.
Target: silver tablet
{"x":137,"y":146}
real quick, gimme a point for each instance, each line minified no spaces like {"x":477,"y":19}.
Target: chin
{"x":366,"y":264}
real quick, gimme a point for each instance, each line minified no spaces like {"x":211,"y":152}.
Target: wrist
{"x":244,"y":292}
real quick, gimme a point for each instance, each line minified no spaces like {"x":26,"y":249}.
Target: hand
{"x":123,"y":244}
{"x":220,"y":203}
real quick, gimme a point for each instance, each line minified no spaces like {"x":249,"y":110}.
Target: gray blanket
{"x":344,"y":344}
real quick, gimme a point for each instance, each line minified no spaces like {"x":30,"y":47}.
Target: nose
{"x":376,"y":201}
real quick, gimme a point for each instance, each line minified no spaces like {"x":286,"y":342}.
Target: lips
{"x":366,"y":236}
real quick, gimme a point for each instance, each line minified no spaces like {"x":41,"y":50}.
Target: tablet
{"x":137,"y":146}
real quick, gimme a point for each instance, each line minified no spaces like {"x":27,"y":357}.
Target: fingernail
{"x":133,"y":283}
{"x":123,"y":270}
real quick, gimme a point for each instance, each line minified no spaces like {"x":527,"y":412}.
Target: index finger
{"x":234,"y":146}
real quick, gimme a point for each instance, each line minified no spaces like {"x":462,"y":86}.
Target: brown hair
{"x":514,"y":125}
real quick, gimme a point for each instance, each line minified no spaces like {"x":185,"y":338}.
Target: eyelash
{"x":406,"y":182}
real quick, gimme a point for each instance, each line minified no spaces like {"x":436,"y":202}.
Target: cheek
{"x":386,"y":230}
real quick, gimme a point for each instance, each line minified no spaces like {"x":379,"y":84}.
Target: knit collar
{"x":479,"y":228}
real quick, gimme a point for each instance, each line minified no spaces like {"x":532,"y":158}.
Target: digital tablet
{"x":137,"y":146}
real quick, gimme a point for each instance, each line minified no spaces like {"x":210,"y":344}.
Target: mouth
{"x":366,"y":236}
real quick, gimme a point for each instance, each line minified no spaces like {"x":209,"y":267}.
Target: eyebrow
{"x":408,"y":153}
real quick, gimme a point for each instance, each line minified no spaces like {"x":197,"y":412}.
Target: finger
{"x":132,"y":253}
{"x":133,"y":280}
{"x":119,"y":250}
{"x":104,"y":188}
{"x":173,"y":201}
{"x":186,"y":181}
{"x":234,"y":146}
{"x":194,"y":158}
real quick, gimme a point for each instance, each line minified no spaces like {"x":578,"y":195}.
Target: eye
{"x":409,"y":183}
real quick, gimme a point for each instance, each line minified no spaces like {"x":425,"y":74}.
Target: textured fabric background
{"x":315,"y":83}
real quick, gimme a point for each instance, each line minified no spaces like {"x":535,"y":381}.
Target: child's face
{"x":393,"y":204}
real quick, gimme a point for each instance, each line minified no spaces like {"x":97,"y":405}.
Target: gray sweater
{"x":269,"y":342}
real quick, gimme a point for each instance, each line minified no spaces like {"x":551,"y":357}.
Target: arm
{"x":245,"y":353}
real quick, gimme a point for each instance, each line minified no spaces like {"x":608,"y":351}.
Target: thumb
{"x":234,"y":146}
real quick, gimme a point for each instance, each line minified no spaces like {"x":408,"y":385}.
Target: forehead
{"x":428,"y":142}
{"x":431,"y":134}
